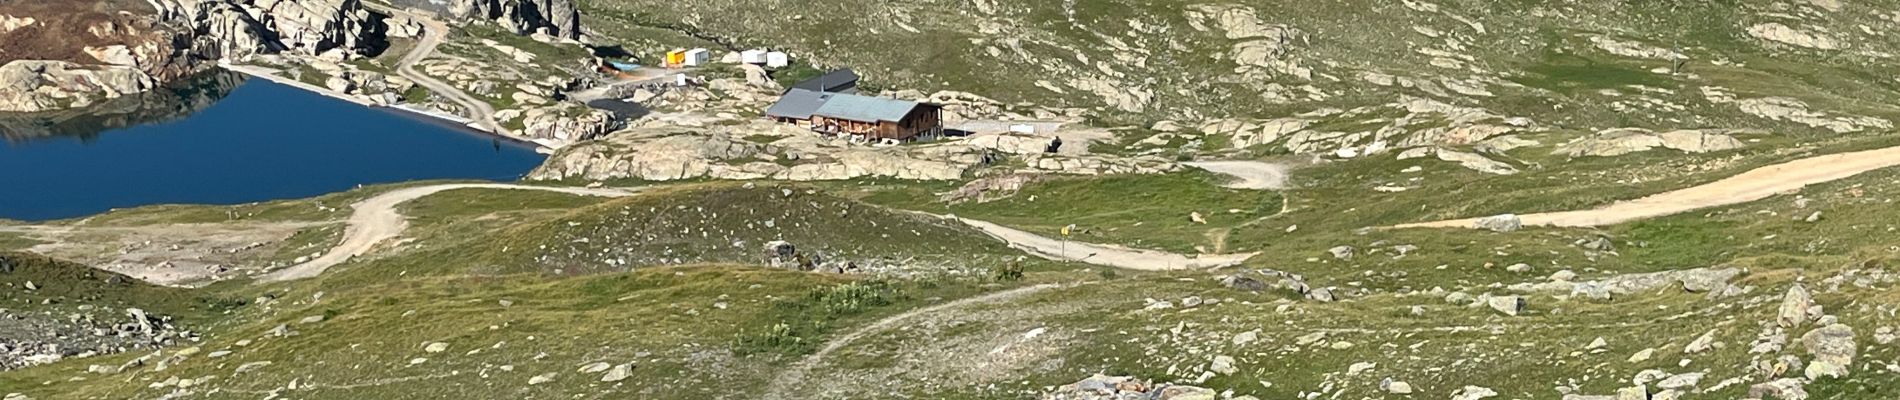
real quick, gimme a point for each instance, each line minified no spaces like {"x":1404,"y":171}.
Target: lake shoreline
{"x":406,"y":110}
{"x":226,"y":139}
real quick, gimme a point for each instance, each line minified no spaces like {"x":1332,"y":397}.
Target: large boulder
{"x":1833,"y":349}
{"x":1794,"y":307}
{"x":1499,"y":223}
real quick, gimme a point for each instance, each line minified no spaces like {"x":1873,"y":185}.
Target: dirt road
{"x":1104,"y":255}
{"x":1749,"y":186}
{"x":433,"y":33}
{"x":1253,"y":175}
{"x":375,"y":220}
{"x":796,"y":373}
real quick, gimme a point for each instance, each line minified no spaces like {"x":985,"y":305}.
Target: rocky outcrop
{"x":557,"y":18}
{"x":1103,"y":387}
{"x":567,"y":123}
{"x":130,"y":51}
{"x":1616,"y":142}
{"x":691,"y":146}
{"x":1477,"y":162}
{"x":35,"y":85}
{"x":1776,"y":32}
{"x":235,"y":29}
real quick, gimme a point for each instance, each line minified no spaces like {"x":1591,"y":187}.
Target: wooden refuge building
{"x":854,"y":115}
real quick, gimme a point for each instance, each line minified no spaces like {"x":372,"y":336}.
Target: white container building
{"x":752,"y":57}
{"x":698,"y":57}
{"x":777,"y":59}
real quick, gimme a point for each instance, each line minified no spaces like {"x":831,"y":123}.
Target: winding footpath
{"x":1100,"y":254}
{"x":433,"y":33}
{"x":797,"y":371}
{"x":376,"y":220}
{"x":1251,"y":175}
{"x":1756,"y":184}
{"x":1254,"y":175}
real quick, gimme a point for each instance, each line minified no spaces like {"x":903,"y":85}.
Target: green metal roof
{"x":864,"y":109}
{"x":798,"y":104}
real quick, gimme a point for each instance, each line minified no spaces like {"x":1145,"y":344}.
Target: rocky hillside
{"x":1569,"y":79}
{"x":554,"y":18}
{"x":51,"y":310}
{"x":73,"y":54}
{"x":1061,"y":275}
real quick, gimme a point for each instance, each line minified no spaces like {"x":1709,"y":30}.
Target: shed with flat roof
{"x":836,"y":81}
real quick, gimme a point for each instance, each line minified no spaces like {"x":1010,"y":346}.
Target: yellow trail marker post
{"x":1066,"y":230}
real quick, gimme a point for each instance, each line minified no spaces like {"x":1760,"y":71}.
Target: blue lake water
{"x":246,"y":141}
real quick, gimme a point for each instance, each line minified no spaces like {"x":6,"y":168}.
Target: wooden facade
{"x":923,"y":120}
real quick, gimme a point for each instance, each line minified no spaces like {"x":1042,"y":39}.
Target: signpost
{"x":1066,"y":230}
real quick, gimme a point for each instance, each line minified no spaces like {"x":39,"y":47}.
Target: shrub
{"x":852,"y":297}
{"x":1010,"y":272}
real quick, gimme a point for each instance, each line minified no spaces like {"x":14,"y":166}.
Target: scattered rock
{"x":1242,"y":282}
{"x":1509,"y":305}
{"x":1223,"y":365}
{"x":1499,"y":223}
{"x":1701,"y":344}
{"x":1103,"y":387}
{"x":1783,"y":389}
{"x":594,"y":368}
{"x":1473,"y":393}
{"x":1642,"y":355}
{"x":1341,"y":252}
{"x":1794,"y":307}
{"x":618,"y":373}
{"x":1681,"y":381}
{"x":1395,"y":387}
{"x":1833,"y":349}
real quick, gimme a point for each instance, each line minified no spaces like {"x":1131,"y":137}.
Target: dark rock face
{"x":558,"y":18}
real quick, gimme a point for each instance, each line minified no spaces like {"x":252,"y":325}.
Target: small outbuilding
{"x":675,"y":58}
{"x":837,"y":81}
{"x":698,"y":57}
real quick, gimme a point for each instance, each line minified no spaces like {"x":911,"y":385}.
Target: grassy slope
{"x":696,"y":323}
{"x":455,"y":280}
{"x":61,"y":283}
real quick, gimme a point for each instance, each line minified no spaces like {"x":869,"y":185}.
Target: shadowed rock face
{"x":169,"y":102}
{"x":559,"y":18}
